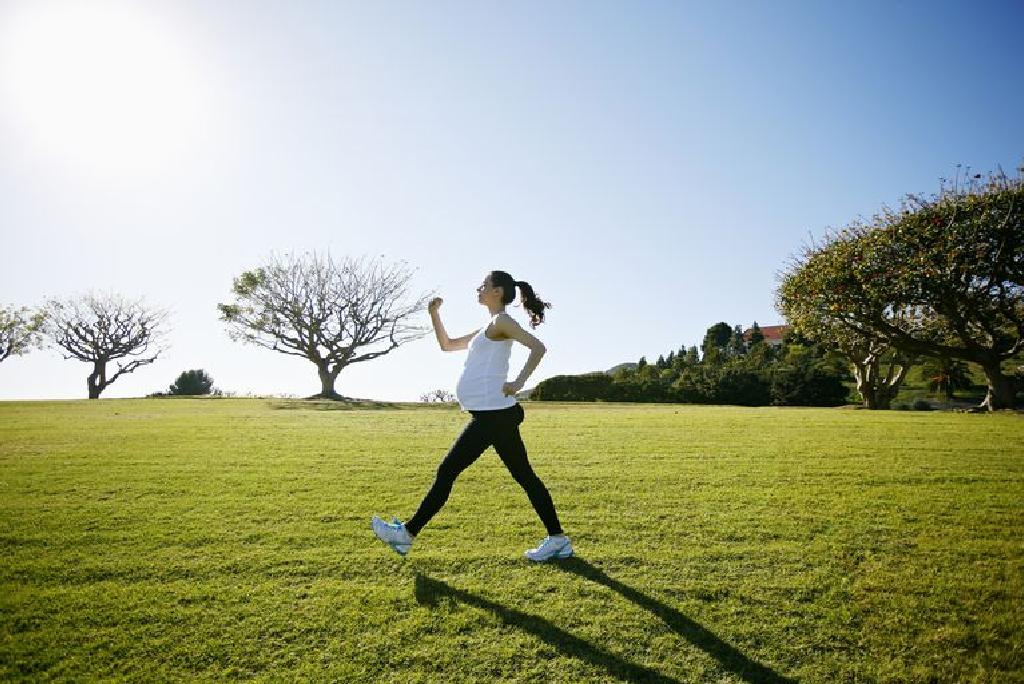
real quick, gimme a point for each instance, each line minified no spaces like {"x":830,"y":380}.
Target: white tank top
{"x":484,"y":373}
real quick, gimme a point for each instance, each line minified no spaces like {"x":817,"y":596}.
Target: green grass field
{"x":229,"y":539}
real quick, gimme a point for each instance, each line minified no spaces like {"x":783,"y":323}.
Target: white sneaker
{"x":551,"y":547}
{"x":393,"y":534}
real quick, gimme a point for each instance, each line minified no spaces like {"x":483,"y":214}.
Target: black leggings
{"x":499,"y":429}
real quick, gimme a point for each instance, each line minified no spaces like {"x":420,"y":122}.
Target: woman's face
{"x":487,"y":294}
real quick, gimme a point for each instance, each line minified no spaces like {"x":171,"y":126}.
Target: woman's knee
{"x":448,"y":471}
{"x":526,"y":477}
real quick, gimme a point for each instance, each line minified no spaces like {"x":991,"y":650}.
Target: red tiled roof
{"x":770,"y":332}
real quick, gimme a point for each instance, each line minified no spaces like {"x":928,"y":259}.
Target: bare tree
{"x":99,"y":329}
{"x":330,"y":312}
{"x":19,"y":331}
{"x":437,"y":396}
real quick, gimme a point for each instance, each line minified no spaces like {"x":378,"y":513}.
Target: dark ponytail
{"x":533,"y":304}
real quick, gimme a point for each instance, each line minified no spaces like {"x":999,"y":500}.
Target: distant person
{"x":496,"y":415}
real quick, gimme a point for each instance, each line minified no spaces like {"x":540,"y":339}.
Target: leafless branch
{"x":100,"y":328}
{"x":332,"y":312}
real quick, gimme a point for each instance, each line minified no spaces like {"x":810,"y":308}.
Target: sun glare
{"x":99,"y":87}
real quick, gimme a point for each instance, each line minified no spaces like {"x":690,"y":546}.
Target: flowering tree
{"x":942,"y":276}
{"x":816,"y":304}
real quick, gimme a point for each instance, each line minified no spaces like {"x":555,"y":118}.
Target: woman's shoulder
{"x":498,"y":320}
{"x":498,"y":324}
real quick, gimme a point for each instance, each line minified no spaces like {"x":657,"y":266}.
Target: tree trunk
{"x":97,"y":380}
{"x":865,"y":384}
{"x":327,"y":379}
{"x":866,"y":373}
{"x":883,"y":401}
{"x":890,"y":386}
{"x":1002,"y":390}
{"x":877,"y":392}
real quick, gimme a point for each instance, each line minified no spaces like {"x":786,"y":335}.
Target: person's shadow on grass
{"x":727,"y":655}
{"x":430,"y":592}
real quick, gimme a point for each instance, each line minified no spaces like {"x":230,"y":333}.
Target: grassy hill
{"x":225,"y":538}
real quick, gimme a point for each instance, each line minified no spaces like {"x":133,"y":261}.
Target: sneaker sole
{"x":397,"y":548}
{"x":563,"y":553}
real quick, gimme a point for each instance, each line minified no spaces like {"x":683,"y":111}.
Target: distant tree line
{"x":729,"y":368}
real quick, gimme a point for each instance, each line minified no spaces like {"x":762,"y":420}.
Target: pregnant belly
{"x":480,"y":387}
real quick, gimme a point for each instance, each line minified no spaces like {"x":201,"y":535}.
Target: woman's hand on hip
{"x":510,"y":388}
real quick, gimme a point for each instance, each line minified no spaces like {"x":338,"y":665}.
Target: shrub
{"x":808,"y":384}
{"x":192,"y":383}
{"x":588,"y":387}
{"x":742,"y":387}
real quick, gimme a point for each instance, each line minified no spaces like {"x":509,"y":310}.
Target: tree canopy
{"x":19,"y":331}
{"x":941,"y":276}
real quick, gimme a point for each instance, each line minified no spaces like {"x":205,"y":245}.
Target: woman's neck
{"x":495,"y":310}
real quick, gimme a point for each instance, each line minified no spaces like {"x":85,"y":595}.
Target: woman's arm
{"x":507,"y":327}
{"x":447,"y":343}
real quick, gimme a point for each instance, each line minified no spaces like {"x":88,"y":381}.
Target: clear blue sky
{"x":649,"y":167}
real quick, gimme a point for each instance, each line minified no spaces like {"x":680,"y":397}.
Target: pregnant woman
{"x":496,"y":415}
